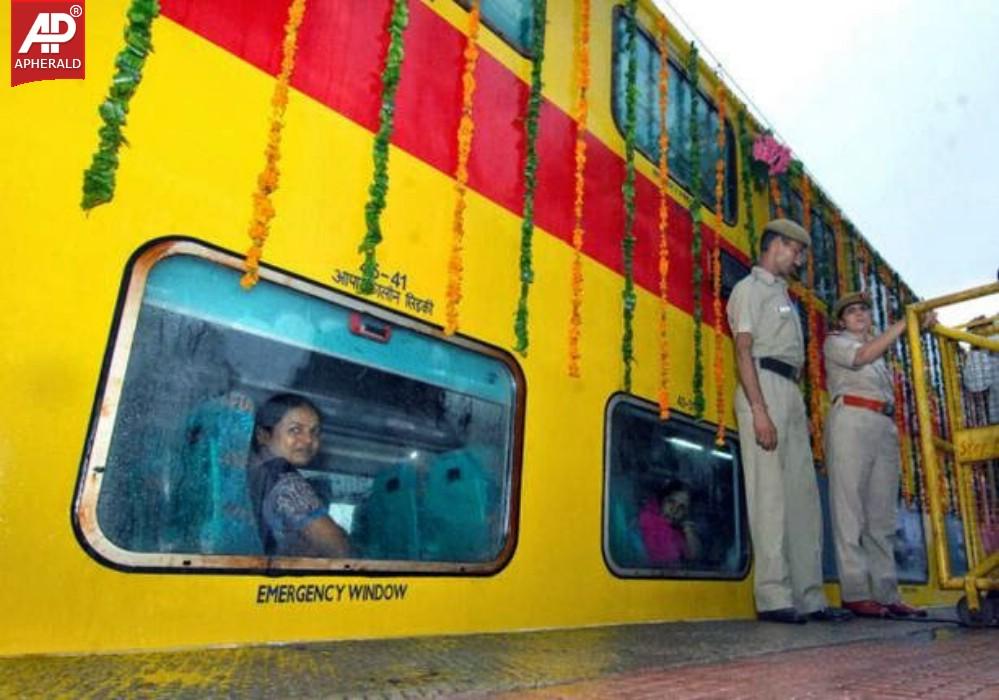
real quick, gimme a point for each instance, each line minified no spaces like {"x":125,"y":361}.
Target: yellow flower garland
{"x":267,"y":181}
{"x":582,"y":70}
{"x":814,"y":374}
{"x":663,"y":394}
{"x":719,"y":367}
{"x":466,"y":127}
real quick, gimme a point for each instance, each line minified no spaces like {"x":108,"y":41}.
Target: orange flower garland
{"x":663,"y":393}
{"x":466,"y":127}
{"x":775,"y":197}
{"x":719,"y":366}
{"x":841,"y":261}
{"x":267,"y":181}
{"x":580,"y":116}
{"x":814,"y":374}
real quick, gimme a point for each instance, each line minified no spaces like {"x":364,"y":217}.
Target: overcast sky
{"x":892,"y":105}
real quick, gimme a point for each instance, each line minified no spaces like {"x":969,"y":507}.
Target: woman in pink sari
{"x":668,"y":536}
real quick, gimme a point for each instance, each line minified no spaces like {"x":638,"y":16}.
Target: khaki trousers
{"x":863,"y":461}
{"x":785,"y":516}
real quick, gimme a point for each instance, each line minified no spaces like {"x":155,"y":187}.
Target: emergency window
{"x":678,"y":108}
{"x":513,"y":20}
{"x":414,"y":460}
{"x":673,"y":503}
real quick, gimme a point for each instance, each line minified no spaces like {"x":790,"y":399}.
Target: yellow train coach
{"x":449,"y":248}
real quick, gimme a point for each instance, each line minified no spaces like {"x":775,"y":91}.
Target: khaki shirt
{"x":872,"y":381}
{"x":759,"y":305}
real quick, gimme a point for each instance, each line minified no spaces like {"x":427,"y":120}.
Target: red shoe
{"x":866,"y":608}
{"x":900,"y":609}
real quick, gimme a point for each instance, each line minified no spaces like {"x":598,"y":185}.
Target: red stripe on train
{"x":341,"y":47}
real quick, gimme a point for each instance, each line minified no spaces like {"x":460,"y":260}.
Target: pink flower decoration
{"x":768,"y":150}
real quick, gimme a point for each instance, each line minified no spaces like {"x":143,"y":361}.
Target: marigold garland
{"x":814,"y":370}
{"x":854,"y":259}
{"x":267,"y":181}
{"x":466,"y":128}
{"x":582,"y":72}
{"x":841,"y":261}
{"x":746,"y":145}
{"x":695,"y":247}
{"x":530,"y":178}
{"x":99,"y":178}
{"x":663,"y":172}
{"x":775,"y":198}
{"x":378,"y":190}
{"x":899,"y":398}
{"x":628,"y":189}
{"x":906,"y":466}
{"x":719,"y":366}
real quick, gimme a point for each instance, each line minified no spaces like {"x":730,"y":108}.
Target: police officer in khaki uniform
{"x":862,"y":454}
{"x":785,"y":517}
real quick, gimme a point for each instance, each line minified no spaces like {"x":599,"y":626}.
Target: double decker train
{"x":489,"y":241}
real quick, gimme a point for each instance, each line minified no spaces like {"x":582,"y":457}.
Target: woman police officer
{"x":862,"y":453}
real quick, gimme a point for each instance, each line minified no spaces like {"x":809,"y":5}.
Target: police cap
{"x":847,"y":299}
{"x":789,"y":229}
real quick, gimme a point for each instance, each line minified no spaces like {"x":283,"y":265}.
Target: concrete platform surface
{"x":741,"y":659}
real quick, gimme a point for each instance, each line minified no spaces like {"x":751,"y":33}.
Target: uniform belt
{"x":883,"y":407}
{"x":771,"y":364}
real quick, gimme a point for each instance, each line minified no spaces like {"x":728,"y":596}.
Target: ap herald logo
{"x":46,"y":41}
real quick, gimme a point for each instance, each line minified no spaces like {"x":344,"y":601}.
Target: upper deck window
{"x":673,"y":499}
{"x":826,"y":264}
{"x":513,"y":20}
{"x":677,"y":117}
{"x":409,"y":452}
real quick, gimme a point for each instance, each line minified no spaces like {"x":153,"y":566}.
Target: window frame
{"x":108,"y":394}
{"x":731,"y":150}
{"x":525,"y":51}
{"x":669,"y":574}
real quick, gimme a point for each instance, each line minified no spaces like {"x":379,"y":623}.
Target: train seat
{"x":457,"y":505}
{"x":210,"y":505}
{"x":386,"y":522}
{"x":625,"y":538}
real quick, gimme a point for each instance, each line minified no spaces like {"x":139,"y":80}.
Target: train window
{"x":513,"y":20}
{"x":732,"y":270}
{"x":677,"y":118}
{"x":824,"y":252}
{"x":407,"y":448}
{"x":673,"y":504}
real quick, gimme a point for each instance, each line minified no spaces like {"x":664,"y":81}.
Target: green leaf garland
{"x":99,"y":178}
{"x":628,"y":189}
{"x":746,"y":148}
{"x":695,"y":246}
{"x":530,"y":177}
{"x":378,"y":190}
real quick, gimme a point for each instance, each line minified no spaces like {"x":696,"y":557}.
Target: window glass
{"x":511,"y":19}
{"x":405,"y":442}
{"x":677,"y":118}
{"x":824,"y":251}
{"x":910,"y":545}
{"x":732,"y":270}
{"x":673,"y":499}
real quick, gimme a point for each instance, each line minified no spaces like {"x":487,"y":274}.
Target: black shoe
{"x":830,"y":615}
{"x":787,"y":615}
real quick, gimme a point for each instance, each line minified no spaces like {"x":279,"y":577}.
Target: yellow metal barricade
{"x":967,"y":446}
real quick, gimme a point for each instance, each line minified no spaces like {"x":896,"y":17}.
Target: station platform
{"x":733,"y":659}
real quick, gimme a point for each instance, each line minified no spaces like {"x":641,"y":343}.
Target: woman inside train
{"x":292,"y":519}
{"x":669,"y":537}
